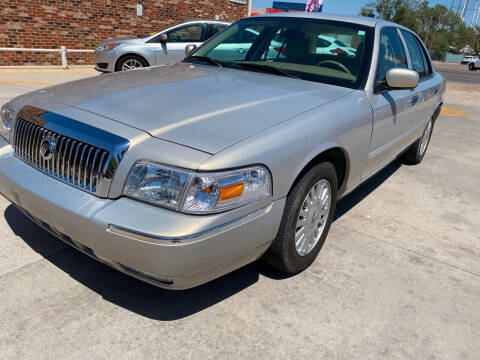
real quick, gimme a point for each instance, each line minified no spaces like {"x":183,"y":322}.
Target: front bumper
{"x":165,"y":248}
{"x":108,"y":57}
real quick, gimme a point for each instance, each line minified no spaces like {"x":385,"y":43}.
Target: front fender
{"x":288,"y":147}
{"x":144,"y":52}
{"x":317,"y":152}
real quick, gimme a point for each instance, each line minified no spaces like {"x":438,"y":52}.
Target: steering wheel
{"x":337,"y":64}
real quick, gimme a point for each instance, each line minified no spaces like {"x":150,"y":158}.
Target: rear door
{"x":391,"y":108}
{"x":177,"y":38}
{"x":426,"y":93}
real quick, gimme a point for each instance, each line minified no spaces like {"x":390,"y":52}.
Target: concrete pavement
{"x":398,"y":278}
{"x":17,"y":81}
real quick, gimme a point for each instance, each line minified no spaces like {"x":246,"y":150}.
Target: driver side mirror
{"x":189,"y":49}
{"x":163,"y":38}
{"x":402,"y":78}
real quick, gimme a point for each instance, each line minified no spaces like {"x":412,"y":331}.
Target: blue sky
{"x":352,"y":7}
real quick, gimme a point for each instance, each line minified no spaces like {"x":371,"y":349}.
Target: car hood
{"x":199,"y":106}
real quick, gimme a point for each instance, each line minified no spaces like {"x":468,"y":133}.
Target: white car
{"x":474,"y":64}
{"x":330,"y":45}
{"x":467,"y":59}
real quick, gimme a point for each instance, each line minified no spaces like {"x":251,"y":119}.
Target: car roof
{"x":362,"y":20}
{"x":205,"y":20}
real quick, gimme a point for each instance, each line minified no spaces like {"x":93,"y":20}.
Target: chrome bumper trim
{"x":150,"y":238}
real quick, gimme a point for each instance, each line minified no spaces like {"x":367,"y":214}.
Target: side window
{"x":428,"y":64}
{"x":216,"y":28}
{"x":420,"y":62}
{"x":189,"y":33}
{"x":391,"y":53}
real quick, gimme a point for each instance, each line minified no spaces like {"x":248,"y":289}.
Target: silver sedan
{"x":179,"y":174}
{"x":164,"y":47}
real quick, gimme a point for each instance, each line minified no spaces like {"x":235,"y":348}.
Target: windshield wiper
{"x":207,"y":60}
{"x":268,"y":68}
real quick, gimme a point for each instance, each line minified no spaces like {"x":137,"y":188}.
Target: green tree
{"x":439,"y":27}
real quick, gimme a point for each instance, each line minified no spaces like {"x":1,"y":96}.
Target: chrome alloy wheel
{"x":426,"y":137}
{"x":313,"y":217}
{"x":131,"y":64}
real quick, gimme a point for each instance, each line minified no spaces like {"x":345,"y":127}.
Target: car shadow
{"x":360,"y":193}
{"x":145,"y":299}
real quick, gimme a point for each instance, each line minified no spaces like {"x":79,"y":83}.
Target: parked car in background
{"x":164,"y":47}
{"x":330,"y":45}
{"x":243,"y":40}
{"x":474,"y":64}
{"x":179,"y":174}
{"x":467,"y":59}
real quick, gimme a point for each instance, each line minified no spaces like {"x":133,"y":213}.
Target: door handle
{"x":414,"y":100}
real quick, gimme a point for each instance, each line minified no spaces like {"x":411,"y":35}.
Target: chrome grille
{"x":70,"y":160}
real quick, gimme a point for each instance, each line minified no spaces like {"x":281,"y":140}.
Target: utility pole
{"x":475,"y":13}
{"x":451,"y":6}
{"x":458,"y":8}
{"x":465,"y":5}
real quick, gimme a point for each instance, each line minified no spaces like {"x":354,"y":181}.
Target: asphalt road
{"x":458,"y":73}
{"x":398,"y":277}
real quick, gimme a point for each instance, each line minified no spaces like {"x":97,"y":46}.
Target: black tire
{"x":471,"y":67}
{"x":126,"y":58}
{"x":414,"y":155}
{"x":282,"y":254}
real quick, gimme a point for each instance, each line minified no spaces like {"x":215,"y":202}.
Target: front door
{"x":429,"y":85}
{"x":174,"y":49}
{"x":392,"y":109}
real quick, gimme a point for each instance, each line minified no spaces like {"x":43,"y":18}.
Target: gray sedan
{"x":164,"y":47}
{"x":179,"y":174}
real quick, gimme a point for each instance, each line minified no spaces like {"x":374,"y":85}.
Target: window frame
{"x":377,"y":88}
{"x":367,"y":64}
{"x":202,"y":36}
{"x":427,"y":61}
{"x":211,"y":26}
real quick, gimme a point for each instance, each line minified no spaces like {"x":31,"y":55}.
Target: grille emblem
{"x":47,"y":148}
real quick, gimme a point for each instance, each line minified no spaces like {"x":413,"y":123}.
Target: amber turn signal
{"x":230,"y":192}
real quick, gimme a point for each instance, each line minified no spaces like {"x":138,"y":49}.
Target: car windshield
{"x":332,"y":52}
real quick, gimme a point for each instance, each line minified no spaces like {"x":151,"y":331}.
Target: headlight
{"x":156,"y":184}
{"x":106,"y":47}
{"x":226,"y":190}
{"x":197,"y":193}
{"x":7,"y":119}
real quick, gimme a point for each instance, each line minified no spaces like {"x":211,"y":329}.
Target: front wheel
{"x":471,"y":66}
{"x":306,"y":220}
{"x":131,"y":62}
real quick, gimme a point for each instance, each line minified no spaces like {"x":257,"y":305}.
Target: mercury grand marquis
{"x":179,"y":174}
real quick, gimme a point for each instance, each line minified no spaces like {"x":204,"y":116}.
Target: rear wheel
{"x":414,"y":155}
{"x":471,"y":66}
{"x":130,"y":62}
{"x":306,"y":220}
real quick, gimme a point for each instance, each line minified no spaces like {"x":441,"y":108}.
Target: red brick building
{"x":81,"y":24}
